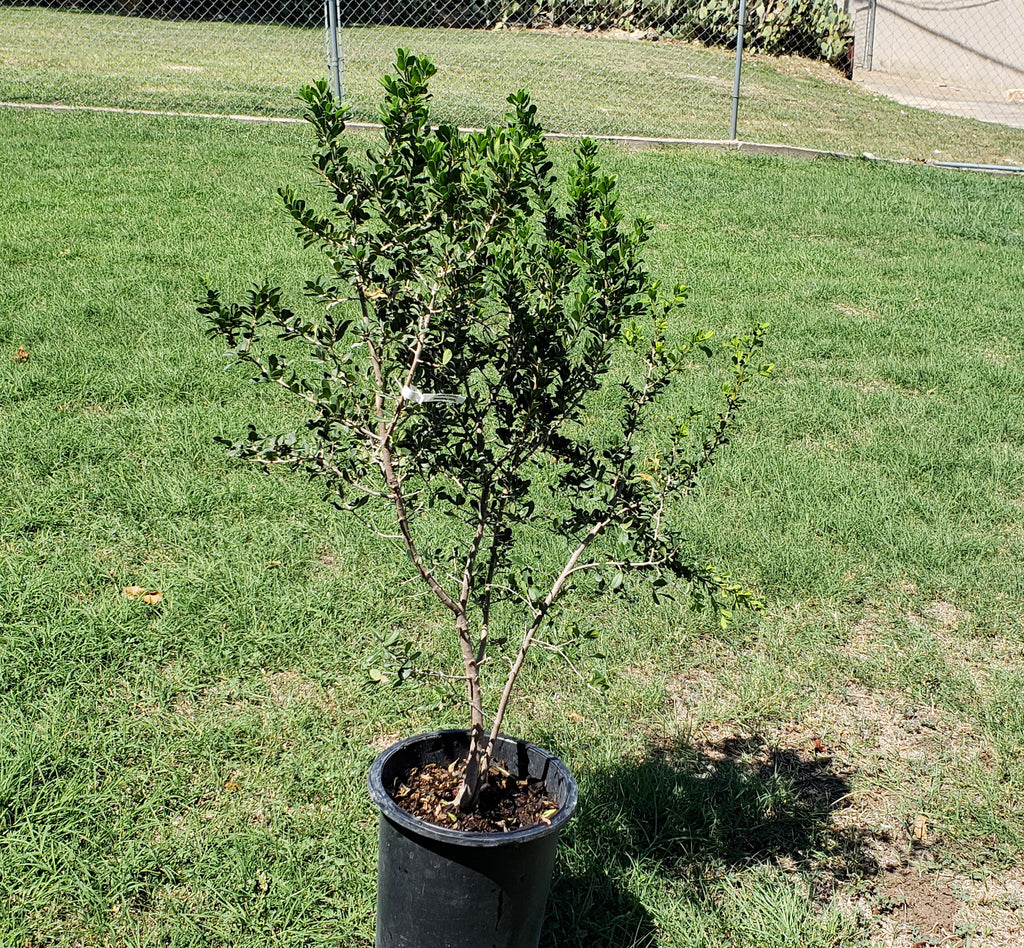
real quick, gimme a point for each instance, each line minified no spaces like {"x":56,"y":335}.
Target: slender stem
{"x":476,"y":764}
{"x":394,"y":483}
{"x":469,"y":655}
{"x":556,"y":590}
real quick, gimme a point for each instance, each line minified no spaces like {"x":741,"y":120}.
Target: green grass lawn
{"x":191,"y":771}
{"x":583,"y":82}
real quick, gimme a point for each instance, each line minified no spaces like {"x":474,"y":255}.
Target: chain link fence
{"x":958,"y":57}
{"x":840,"y":75}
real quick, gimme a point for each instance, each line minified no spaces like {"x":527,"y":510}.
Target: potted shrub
{"x":484,"y":351}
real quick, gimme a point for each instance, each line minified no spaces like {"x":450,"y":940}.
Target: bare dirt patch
{"x":270,"y":693}
{"x":865,"y":313}
{"x":800,"y":68}
{"x":1000,"y":357}
{"x":693,"y":691}
{"x":915,"y":909}
{"x":288,"y":687}
{"x":945,"y":614}
{"x":875,"y":764}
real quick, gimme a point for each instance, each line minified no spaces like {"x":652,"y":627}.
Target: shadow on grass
{"x":687,"y":814}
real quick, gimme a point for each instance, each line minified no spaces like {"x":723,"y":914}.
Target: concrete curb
{"x":629,"y":141}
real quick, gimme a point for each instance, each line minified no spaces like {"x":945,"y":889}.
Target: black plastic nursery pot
{"x":443,"y":888}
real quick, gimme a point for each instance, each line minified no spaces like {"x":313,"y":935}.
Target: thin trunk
{"x":477,"y":764}
{"x":472,"y":655}
{"x":485,"y":751}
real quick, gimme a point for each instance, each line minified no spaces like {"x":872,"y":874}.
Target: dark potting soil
{"x":505,"y":804}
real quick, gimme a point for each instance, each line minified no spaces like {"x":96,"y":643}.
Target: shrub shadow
{"x":692,"y":811}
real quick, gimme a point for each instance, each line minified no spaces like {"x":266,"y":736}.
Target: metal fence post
{"x":869,"y":51}
{"x":739,"y":67}
{"x":333,"y":49}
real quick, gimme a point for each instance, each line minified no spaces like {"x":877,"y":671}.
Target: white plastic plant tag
{"x":412,"y":394}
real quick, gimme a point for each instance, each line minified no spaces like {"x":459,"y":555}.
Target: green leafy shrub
{"x":485,"y":374}
{"x":812,"y":28}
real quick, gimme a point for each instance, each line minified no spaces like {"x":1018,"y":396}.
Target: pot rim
{"x":393,"y":812}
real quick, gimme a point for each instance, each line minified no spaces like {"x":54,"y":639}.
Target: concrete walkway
{"x":948,"y":98}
